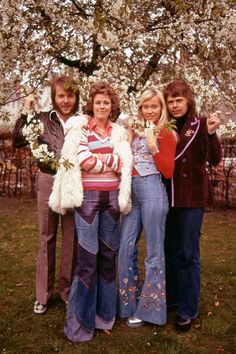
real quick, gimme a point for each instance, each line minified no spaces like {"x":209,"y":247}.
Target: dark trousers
{"x":182,"y":253}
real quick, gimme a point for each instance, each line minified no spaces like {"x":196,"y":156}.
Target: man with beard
{"x":65,"y":101}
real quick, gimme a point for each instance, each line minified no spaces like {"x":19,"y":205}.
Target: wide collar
{"x":187,"y":135}
{"x":92,"y":124}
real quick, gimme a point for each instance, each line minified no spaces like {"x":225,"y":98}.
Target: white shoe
{"x":39,"y":309}
{"x":134,"y":322}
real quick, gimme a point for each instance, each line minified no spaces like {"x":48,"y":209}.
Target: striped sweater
{"x":100,"y":167}
{"x":67,"y":192}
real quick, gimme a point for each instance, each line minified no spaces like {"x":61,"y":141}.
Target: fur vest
{"x":67,"y":192}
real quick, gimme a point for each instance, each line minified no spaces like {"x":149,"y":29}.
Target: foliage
{"x":23,"y":332}
{"x":129,"y":42}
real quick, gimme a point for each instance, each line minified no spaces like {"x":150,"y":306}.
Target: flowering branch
{"x":31,"y":132}
{"x":143,"y":128}
{"x":227,"y":130}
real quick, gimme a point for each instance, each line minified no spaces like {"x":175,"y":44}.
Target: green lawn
{"x":23,"y":332}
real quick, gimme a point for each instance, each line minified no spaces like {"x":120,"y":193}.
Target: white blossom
{"x":228,"y":129}
{"x":125,"y":42}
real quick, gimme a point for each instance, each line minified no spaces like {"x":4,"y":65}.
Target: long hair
{"x":68,"y":84}
{"x":146,"y":95}
{"x":180,"y":87}
{"x":103,"y":87}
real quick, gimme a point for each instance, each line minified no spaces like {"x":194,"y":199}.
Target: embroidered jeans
{"x":149,"y":210}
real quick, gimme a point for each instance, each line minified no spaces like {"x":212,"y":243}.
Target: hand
{"x":30,"y":103}
{"x":213,"y":122}
{"x":151,"y":140}
{"x":101,"y":157}
{"x":152,"y":143}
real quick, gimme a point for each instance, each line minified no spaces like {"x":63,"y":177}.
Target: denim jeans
{"x":183,"y":229}
{"x":92,"y":301}
{"x":149,"y":210}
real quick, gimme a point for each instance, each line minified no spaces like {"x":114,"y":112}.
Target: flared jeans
{"x":149,"y":210}
{"x":92,"y":301}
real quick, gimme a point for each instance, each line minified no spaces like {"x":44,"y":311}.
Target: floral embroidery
{"x":154,"y":294}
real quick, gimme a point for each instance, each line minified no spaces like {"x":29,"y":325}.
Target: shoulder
{"x":44,"y":115}
{"x":198,"y":124}
{"x":119,"y":129}
{"x":202,"y":125}
{"x":168,"y":135}
{"x":202,"y":119}
{"x":75,"y":124}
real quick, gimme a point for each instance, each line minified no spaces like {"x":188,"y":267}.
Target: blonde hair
{"x":146,"y":95}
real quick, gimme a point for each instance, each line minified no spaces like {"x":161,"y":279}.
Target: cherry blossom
{"x":130,"y":43}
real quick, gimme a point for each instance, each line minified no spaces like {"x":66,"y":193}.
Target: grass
{"x":23,"y":332}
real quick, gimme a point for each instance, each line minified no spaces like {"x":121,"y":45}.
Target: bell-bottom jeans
{"x":92,"y":301}
{"x":149,"y":210}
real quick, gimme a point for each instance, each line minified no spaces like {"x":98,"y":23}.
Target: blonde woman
{"x":153,"y":147}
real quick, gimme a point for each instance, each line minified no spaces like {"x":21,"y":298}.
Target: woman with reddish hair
{"x":98,"y":186}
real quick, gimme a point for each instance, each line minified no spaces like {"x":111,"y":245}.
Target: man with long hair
{"x":65,"y":101}
{"x":189,"y":193}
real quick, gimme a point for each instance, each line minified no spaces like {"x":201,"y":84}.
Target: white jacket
{"x":67,"y":192}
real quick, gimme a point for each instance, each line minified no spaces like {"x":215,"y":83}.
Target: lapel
{"x":187,"y":135}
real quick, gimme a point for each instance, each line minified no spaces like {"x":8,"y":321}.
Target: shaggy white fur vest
{"x":67,"y":192}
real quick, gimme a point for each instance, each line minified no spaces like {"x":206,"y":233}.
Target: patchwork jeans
{"x":92,"y":301}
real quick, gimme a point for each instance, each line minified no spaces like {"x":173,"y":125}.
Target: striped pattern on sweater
{"x":100,"y":167}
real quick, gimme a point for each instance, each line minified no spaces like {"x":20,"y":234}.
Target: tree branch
{"x":81,"y":11}
{"x":150,"y":68}
{"x":87,"y":69}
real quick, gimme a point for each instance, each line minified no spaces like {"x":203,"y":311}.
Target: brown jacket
{"x":190,"y":186}
{"x":53,"y":136}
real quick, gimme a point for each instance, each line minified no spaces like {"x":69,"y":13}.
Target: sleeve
{"x":165,"y":159}
{"x":18,"y":139}
{"x":111,"y":160}
{"x":96,"y":163}
{"x":214,"y":149}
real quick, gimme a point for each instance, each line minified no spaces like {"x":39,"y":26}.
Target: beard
{"x":68,"y":113}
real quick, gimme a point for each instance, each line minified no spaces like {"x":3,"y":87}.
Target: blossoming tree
{"x":227,"y":131}
{"x":127,"y":41}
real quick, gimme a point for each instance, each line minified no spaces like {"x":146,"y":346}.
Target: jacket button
{"x":184,"y":174}
{"x":184,"y":159}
